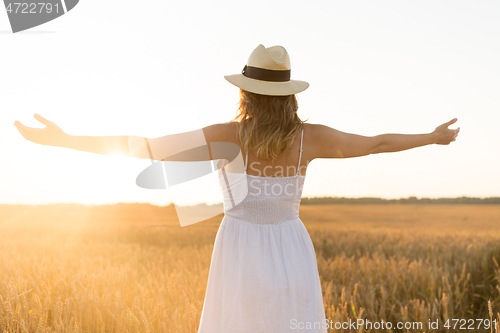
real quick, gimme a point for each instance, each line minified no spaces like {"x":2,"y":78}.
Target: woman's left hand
{"x":444,"y":135}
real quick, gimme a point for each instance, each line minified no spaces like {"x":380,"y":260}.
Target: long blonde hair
{"x":271,"y":123}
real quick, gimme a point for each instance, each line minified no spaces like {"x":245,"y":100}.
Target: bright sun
{"x":114,"y":155}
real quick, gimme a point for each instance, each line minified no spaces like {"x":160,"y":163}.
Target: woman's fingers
{"x":26,"y":129}
{"x":29,"y":133}
{"x":456,"y":134}
{"x":445,"y":125}
{"x":43,"y":120}
{"x":20,"y":126}
{"x":24,"y":133}
{"x":454,"y":120}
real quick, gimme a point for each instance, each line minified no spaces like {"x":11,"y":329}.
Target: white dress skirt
{"x":263,"y":275}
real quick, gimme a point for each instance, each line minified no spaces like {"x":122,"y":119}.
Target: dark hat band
{"x":266,"y":74}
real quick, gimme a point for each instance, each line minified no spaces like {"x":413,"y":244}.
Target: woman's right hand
{"x":444,"y":135}
{"x":51,"y":135}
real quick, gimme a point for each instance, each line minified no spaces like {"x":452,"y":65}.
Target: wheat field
{"x":132,"y":268}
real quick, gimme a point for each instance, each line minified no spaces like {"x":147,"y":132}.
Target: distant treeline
{"x":409,"y":200}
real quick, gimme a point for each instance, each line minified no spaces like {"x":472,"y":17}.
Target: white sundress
{"x":263,"y":274}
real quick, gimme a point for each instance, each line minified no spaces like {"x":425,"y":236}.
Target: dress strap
{"x":300,"y":153}
{"x":246,"y":159}
{"x":246,"y":162}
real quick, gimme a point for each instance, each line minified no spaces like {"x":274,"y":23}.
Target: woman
{"x":263,"y":275}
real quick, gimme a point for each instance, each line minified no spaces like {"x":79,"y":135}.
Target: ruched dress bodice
{"x":270,"y":200}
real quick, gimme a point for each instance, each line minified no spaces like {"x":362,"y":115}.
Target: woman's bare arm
{"x":331,"y":143}
{"x":188,"y":146}
{"x":53,"y":135}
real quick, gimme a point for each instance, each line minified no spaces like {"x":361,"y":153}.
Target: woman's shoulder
{"x":316,"y":136}
{"x":313,"y":131}
{"x":222,"y":132}
{"x":313,"y":127}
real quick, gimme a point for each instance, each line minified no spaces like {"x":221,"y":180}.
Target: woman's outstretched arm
{"x":53,"y":135}
{"x":188,"y":146}
{"x":331,"y":143}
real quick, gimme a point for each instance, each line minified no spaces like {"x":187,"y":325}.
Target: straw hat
{"x":267,"y":72}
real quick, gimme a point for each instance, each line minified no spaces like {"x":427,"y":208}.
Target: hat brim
{"x":265,"y":87}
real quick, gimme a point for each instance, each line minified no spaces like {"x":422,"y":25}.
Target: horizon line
{"x":412,"y":199}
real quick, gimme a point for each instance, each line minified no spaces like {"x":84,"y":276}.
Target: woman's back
{"x":286,"y":165}
{"x":265,"y":197}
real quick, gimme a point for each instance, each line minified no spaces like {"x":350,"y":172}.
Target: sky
{"x":153,"y":68}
